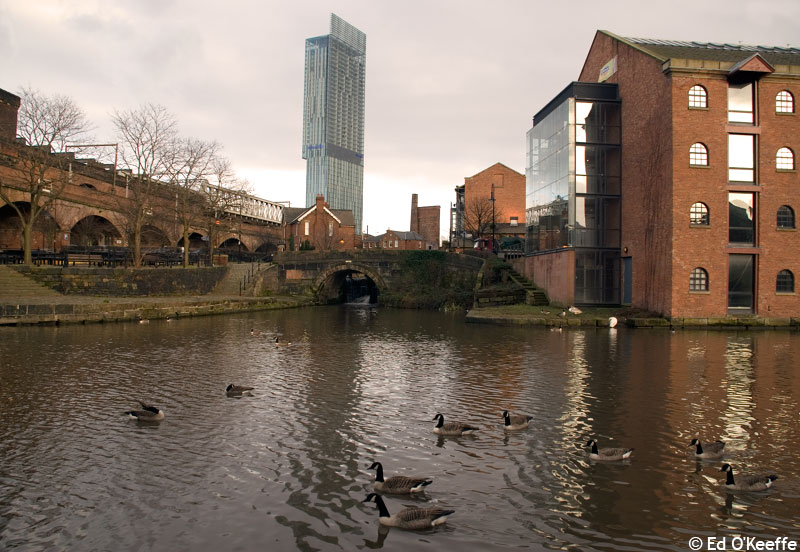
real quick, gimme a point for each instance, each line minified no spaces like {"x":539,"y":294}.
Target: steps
{"x":239,"y":278}
{"x":533,"y":295}
{"x":14,"y":285}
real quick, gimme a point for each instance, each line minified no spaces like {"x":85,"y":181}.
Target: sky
{"x":451,"y":86}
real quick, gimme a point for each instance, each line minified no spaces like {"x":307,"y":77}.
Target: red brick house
{"x":396,"y":239}
{"x":320,"y":227}
{"x":682,"y":196}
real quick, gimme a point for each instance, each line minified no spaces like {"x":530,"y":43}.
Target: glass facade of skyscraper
{"x":573,"y":186}
{"x":333,"y":118}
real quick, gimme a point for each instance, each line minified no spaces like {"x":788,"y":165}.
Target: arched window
{"x":698,"y":96}
{"x":698,"y":281}
{"x":784,"y":160}
{"x":698,"y":155}
{"x":698,"y":214}
{"x":785,"y":217}
{"x":784,"y":102}
{"x":784,"y":283}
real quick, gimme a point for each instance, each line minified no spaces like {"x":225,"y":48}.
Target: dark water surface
{"x":285,"y":468}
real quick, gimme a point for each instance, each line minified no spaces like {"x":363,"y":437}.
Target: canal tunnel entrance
{"x":348,"y":286}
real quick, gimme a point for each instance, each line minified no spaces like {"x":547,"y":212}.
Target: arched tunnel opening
{"x":350,"y":286}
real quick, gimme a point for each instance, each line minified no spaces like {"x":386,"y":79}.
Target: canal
{"x":285,"y":468}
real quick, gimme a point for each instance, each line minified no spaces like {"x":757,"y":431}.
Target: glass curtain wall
{"x":573,"y":170}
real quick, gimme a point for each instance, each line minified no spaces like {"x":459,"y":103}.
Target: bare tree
{"x":479,"y":216}
{"x":147,"y":139}
{"x":41,"y":171}
{"x":223,"y":196}
{"x":192,"y":164}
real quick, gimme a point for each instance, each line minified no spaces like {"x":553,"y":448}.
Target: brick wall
{"x":509,"y":191}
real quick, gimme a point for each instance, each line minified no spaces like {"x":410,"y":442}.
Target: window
{"x":785,"y":217}
{"x":740,"y":103}
{"x":784,"y":160}
{"x":784,"y":283}
{"x":698,"y":214}
{"x":330,"y":228}
{"x":698,"y":280}
{"x":741,"y":157}
{"x":306,"y":228}
{"x":741,"y":218}
{"x":698,"y":155}
{"x":698,"y":98}
{"x":741,"y":282}
{"x":784,"y":102}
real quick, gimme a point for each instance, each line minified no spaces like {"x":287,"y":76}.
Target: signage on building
{"x":608,"y":69}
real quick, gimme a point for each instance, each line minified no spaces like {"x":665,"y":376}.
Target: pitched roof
{"x":403,"y":235}
{"x":711,"y":51}
{"x":493,"y":166}
{"x":293,"y":214}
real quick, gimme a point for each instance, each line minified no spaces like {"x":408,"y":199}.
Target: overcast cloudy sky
{"x":451,"y":85}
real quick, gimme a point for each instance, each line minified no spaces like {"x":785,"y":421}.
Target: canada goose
{"x":409,"y":518}
{"x":143,"y":320}
{"x":612,"y":321}
{"x":279,"y":343}
{"x":254,"y":332}
{"x":148,"y":413}
{"x":515,"y":421}
{"x":747,"y":482}
{"x":397,"y":484}
{"x":452,"y":428}
{"x":608,"y":454}
{"x":237,"y":389}
{"x":711,"y":451}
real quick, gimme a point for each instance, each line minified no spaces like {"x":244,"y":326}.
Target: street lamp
{"x":492,"y":200}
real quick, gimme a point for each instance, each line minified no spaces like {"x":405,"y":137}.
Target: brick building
{"x":425,"y":221}
{"x":473,"y":212}
{"x":396,"y":239}
{"x":322,"y":227}
{"x":681,"y":191}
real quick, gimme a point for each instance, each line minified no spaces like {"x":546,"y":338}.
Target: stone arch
{"x":95,"y":230}
{"x":195,"y":241}
{"x":46,"y":229}
{"x":328,"y":285}
{"x":233,"y":243}
{"x":267,"y":247}
{"x":153,"y":236}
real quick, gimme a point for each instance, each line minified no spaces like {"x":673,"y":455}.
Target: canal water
{"x":285,"y":468}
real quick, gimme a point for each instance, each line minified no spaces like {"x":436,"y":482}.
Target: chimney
{"x":9,"y":107}
{"x":320,"y":202}
{"x":414,"y":214}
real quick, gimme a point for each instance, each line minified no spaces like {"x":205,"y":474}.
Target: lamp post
{"x":492,"y":200}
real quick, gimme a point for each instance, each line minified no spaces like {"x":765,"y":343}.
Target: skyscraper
{"x":333,"y":118}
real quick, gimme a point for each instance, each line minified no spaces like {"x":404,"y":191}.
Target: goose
{"x":254,"y":332}
{"x":452,"y":428}
{"x":747,"y":482}
{"x":237,"y":389}
{"x":612,"y":321}
{"x":711,"y":451}
{"x":515,"y":421}
{"x":397,"y":484}
{"x":608,"y":454}
{"x":148,"y":413}
{"x":413,"y":519}
{"x":143,"y":320}
{"x":279,"y":343}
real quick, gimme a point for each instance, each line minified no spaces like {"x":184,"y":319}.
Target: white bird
{"x":747,"y":482}
{"x":608,"y":454}
{"x":575,"y":310}
{"x":413,"y":519}
{"x":612,"y":321}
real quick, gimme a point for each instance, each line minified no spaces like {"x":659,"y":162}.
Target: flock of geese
{"x":415,"y":518}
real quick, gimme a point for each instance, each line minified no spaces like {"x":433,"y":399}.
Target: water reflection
{"x":285,"y":468}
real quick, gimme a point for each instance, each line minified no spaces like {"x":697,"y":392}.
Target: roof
{"x":294,"y":214}
{"x":403,"y":235}
{"x":493,"y":166}
{"x":711,"y":51}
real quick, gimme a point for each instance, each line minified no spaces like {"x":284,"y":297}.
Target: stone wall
{"x":121,"y":282}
